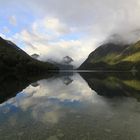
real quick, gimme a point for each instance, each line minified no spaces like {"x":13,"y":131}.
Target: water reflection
{"x":114,"y":84}
{"x":73,"y":107}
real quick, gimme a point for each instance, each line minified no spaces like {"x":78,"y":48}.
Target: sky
{"x":57,"y":28}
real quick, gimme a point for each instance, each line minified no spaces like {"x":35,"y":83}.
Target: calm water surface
{"x":74,"y":107}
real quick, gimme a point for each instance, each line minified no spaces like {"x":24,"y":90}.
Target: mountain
{"x":65,"y":64}
{"x":113,"y":56}
{"x":15,"y":60}
{"x":35,"y":56}
{"x":67,"y":60}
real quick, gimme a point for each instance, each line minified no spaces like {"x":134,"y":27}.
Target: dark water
{"x":71,"y":106}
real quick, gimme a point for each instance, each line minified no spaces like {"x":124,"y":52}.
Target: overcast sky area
{"x":56,"y":28}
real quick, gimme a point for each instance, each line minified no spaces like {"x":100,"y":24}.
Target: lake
{"x":71,"y":106}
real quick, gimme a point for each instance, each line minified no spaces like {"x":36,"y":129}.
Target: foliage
{"x":114,"y":57}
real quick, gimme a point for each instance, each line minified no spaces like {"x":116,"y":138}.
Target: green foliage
{"x":109,"y":59}
{"x":113,"y":57}
{"x":133,"y":57}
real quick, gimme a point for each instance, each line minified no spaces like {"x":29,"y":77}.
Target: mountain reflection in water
{"x":71,"y":106}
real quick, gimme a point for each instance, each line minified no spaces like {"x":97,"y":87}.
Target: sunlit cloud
{"x":46,"y":37}
{"x":56,"y":29}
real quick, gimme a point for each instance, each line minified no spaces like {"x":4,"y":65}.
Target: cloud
{"x":102,"y":16}
{"x":13,"y":20}
{"x":96,"y":18}
{"x":46,"y":37}
{"x":5,"y":30}
{"x":75,"y":28}
{"x":2,"y":35}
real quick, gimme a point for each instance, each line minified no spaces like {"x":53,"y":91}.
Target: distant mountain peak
{"x":67,"y":60}
{"x":35,"y":56}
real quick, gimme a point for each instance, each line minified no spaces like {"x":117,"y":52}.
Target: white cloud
{"x":45,"y":37}
{"x":96,"y":20}
{"x":50,"y":26}
{"x":5,"y":30}
{"x":13,"y":20}
{"x":104,"y":16}
{"x":2,"y":35}
{"x":55,"y":25}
